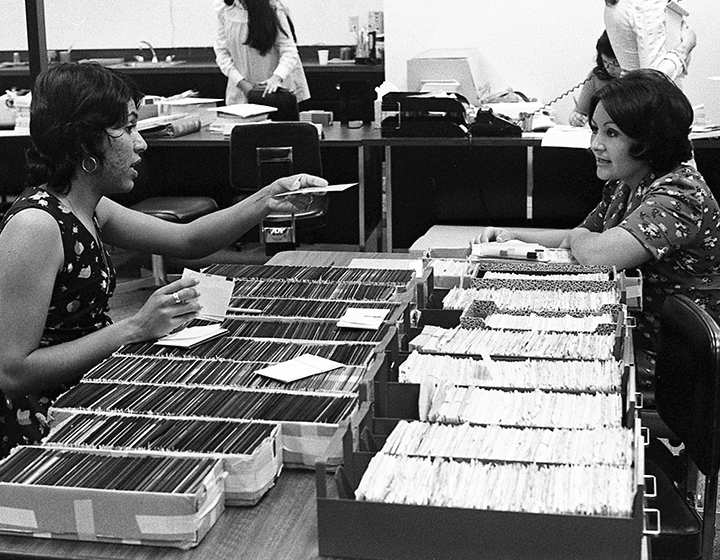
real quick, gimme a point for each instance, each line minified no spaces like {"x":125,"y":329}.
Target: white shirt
{"x":238,"y":61}
{"x":636,"y":29}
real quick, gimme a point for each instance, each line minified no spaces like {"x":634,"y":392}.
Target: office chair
{"x":687,"y":393}
{"x":179,"y":209}
{"x":260,"y":153}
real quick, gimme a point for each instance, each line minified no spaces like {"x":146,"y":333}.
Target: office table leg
{"x":387,"y":202}
{"x":529,"y":184}
{"x":361,"y":197}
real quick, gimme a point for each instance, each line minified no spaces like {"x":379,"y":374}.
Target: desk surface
{"x":282,"y":526}
{"x":332,"y":134}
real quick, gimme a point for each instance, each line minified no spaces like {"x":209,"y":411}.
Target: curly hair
{"x":72,"y":107}
{"x":647,"y":106}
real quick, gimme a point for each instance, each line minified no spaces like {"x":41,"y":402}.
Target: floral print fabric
{"x":79,"y":306}
{"x":677,"y":219}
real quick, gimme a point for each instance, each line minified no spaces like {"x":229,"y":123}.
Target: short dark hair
{"x":647,"y":106}
{"x":72,"y":106}
{"x":603,"y":47}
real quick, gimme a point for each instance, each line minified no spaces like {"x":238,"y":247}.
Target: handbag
{"x":284,"y":100}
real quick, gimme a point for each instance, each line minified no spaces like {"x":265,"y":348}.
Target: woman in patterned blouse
{"x":657,"y":213}
{"x":55,"y":274}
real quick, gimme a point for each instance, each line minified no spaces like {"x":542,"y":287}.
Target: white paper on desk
{"x":215,"y":293}
{"x":520,"y":250}
{"x":244,"y":110}
{"x":299,"y":368}
{"x":562,"y":136}
{"x":389,"y":264}
{"x":363,"y":318}
{"x":311,"y":190}
{"x":513,"y":249}
{"x":190,"y":336}
{"x":183,"y":101}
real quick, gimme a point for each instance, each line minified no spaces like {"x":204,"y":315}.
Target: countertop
{"x":210,"y":67}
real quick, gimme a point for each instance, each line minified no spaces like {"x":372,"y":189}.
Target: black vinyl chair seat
{"x":180,"y":209}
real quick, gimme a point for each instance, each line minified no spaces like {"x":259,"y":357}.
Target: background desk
{"x":427,"y":181}
{"x":199,"y":164}
{"x":496,"y":181}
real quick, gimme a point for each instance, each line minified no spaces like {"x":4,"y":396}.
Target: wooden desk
{"x":283,"y":526}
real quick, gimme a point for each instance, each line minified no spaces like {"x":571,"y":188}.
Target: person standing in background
{"x":254,"y":47}
{"x":606,"y":69}
{"x":636,"y":29}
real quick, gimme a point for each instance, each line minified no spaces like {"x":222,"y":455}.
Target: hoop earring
{"x":92,"y":167}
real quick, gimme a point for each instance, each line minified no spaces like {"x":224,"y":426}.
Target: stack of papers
{"x":230,"y":116}
{"x":244,"y":111}
{"x":215,"y":293}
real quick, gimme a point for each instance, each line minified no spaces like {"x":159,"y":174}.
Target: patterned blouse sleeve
{"x":670,"y":215}
{"x":595,"y":220}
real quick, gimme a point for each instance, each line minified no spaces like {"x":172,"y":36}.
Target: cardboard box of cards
{"x":159,"y":518}
{"x":248,"y":475}
{"x":352,"y":528}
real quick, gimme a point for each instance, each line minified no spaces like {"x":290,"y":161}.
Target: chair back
{"x":686,"y":377}
{"x":260,"y":153}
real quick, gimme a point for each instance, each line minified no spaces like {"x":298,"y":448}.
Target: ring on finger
{"x":177,"y":299}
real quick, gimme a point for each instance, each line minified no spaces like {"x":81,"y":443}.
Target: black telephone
{"x":487,"y":123}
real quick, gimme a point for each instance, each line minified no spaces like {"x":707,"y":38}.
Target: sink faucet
{"x":152,"y":50}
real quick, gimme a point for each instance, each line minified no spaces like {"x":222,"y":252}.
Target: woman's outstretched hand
{"x":294,"y":203}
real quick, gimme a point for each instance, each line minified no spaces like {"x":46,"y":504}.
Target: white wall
{"x":97,"y":24}
{"x":541,"y":48}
